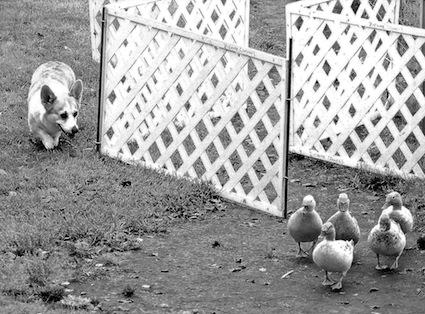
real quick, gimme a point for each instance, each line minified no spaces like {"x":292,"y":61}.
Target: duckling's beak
{"x":386,"y":205}
{"x":343,"y":206}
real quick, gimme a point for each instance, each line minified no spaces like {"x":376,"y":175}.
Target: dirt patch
{"x":233,"y":262}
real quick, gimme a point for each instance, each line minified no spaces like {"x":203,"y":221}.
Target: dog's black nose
{"x":74,"y":130}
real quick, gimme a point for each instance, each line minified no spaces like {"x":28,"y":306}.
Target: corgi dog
{"x":54,"y":100}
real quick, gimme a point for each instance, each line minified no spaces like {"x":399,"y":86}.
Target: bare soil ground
{"x":233,"y":260}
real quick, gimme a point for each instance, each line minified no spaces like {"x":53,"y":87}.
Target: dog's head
{"x":63,"y":109}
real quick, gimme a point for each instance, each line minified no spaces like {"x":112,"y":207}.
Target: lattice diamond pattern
{"x":368,"y":82}
{"x":195,"y":109}
{"x":379,"y":10}
{"x":226,"y":20}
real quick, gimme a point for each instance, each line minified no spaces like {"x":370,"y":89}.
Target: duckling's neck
{"x":397,"y":206}
{"x":308,"y":209}
{"x":330,"y":236}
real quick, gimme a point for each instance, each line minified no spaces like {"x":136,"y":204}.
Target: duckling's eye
{"x":75,"y":114}
{"x":64,"y":115}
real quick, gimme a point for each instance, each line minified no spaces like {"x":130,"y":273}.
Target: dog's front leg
{"x":46,"y":139}
{"x":56,"y":138}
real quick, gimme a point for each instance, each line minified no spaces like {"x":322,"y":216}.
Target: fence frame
{"x":302,"y":8}
{"x":116,"y":10}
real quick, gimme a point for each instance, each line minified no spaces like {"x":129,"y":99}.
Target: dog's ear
{"x":47,"y":97}
{"x":77,"y":90}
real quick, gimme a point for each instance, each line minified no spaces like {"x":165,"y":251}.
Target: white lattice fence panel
{"x":194,"y":106}
{"x":373,"y":10}
{"x":357,"y":91}
{"x":227,"y":20}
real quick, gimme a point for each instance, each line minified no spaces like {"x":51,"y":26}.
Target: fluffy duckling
{"x":396,"y":211}
{"x":346,"y":225}
{"x":387,"y":238}
{"x":333,"y":255}
{"x":305,"y":224}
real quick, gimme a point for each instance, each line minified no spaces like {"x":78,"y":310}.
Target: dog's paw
{"x":49,"y":144}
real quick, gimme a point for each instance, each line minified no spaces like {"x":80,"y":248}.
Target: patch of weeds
{"x":271,"y":254}
{"x":22,"y":294}
{"x":128,"y":291}
{"x":38,"y":273}
{"x":375,"y":181}
{"x":79,"y":249}
{"x":51,"y":293}
{"x":87,"y":272}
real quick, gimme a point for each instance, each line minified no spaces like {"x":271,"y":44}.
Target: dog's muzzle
{"x":74,"y":130}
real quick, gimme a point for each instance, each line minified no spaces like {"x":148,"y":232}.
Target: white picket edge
{"x":356,"y":21}
{"x":111,"y":10}
{"x":298,"y":149}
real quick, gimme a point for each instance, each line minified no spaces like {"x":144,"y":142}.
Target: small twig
{"x":287,"y":274}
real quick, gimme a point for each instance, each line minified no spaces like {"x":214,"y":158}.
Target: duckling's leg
{"x":379,"y":266}
{"x":395,"y":264}
{"x":313,"y":246}
{"x":327,"y":281}
{"x":338,"y":285}
{"x":301,"y":252}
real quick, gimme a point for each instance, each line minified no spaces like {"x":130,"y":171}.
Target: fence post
{"x":422,"y":21}
{"x":102,"y":67}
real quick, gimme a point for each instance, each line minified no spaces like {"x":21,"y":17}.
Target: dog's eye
{"x":64,"y":115}
{"x":75,"y":114}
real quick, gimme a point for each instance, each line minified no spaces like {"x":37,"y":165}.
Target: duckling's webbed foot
{"x":327,"y":281}
{"x":301,"y":252}
{"x":395,"y":264}
{"x":379,"y":266}
{"x":337,"y":286}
